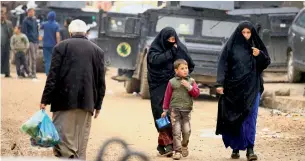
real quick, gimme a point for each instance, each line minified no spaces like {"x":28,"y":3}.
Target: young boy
{"x":19,"y":45}
{"x":179,"y":98}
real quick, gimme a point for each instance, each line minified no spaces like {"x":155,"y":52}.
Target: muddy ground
{"x":129,"y":117}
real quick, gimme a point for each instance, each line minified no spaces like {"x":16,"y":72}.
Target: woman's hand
{"x":255,"y":51}
{"x":219,"y":90}
{"x":163,"y":115}
{"x":175,"y":45}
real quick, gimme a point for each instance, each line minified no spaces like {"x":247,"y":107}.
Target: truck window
{"x":184,"y":26}
{"x":301,"y":20}
{"x":117,"y":24}
{"x":215,"y":28}
{"x":281,"y":23}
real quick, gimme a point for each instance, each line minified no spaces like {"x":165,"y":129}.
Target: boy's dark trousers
{"x":21,"y":60}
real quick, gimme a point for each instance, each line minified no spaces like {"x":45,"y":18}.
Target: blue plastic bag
{"x":42,"y":130}
{"x":163,"y":122}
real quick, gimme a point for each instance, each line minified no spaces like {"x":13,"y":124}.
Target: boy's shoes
{"x":177,"y":156}
{"x":185,"y":151}
{"x":235,"y":154}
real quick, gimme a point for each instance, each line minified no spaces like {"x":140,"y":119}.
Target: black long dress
{"x":160,"y":60}
{"x":239,"y":72}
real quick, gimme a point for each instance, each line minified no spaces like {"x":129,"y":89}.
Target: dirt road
{"x":129,"y":117}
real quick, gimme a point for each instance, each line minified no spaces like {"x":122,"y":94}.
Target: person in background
{"x":19,"y":45}
{"x":50,"y":38}
{"x":240,"y":83}
{"x":75,"y":88}
{"x":64,"y":33}
{"x":6,"y":34}
{"x":30,"y":29}
{"x":178,"y":98}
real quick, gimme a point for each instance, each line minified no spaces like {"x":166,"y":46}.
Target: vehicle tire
{"x":144,"y":90}
{"x":40,"y":62}
{"x":294,"y":76}
{"x":132,"y":85}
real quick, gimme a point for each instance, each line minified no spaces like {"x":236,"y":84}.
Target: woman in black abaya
{"x":241,"y":64}
{"x":164,"y":50}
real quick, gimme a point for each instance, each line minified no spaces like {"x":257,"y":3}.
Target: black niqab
{"x":239,"y":72}
{"x":161,"y":57}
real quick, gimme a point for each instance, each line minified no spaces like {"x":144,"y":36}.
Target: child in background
{"x":179,"y":98}
{"x":19,"y":45}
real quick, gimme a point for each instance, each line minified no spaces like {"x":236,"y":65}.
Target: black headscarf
{"x":161,"y":57}
{"x":239,"y":72}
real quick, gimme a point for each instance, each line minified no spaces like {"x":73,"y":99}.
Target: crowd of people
{"x":23,"y":41}
{"x":75,"y":85}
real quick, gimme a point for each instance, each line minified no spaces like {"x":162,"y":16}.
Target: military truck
{"x":126,"y":39}
{"x":276,"y":21}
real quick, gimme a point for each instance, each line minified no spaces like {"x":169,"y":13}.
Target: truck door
{"x":299,"y":39}
{"x":279,"y":25}
{"x":119,"y":38}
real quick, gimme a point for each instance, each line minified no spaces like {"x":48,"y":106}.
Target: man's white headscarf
{"x":78,"y":26}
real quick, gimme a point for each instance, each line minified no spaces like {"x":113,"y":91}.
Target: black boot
{"x":250,"y":154}
{"x":235,"y":154}
{"x":161,"y":149}
{"x":169,"y":150}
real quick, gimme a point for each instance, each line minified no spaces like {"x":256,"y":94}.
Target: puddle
{"x":209,"y":133}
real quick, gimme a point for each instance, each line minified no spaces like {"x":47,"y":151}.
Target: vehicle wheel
{"x":144,"y":91}
{"x":294,"y":76}
{"x":132,"y":85}
{"x":40,"y":62}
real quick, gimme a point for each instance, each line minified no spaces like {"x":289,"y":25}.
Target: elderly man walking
{"x":30,"y":29}
{"x":75,"y":88}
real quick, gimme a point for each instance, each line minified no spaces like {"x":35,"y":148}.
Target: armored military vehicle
{"x":126,"y":39}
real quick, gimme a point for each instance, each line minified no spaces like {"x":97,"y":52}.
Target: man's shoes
{"x":177,"y":156}
{"x":120,"y":78}
{"x":185,"y":151}
{"x":7,"y":76}
{"x":32,"y":77}
{"x":235,"y":154}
